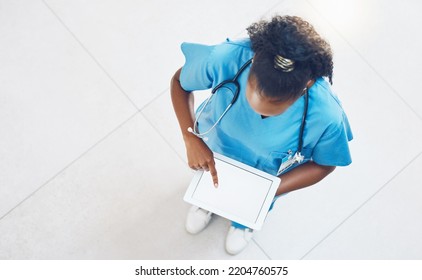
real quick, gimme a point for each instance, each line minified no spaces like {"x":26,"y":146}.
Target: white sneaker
{"x":237,"y":239}
{"x":197,"y":219}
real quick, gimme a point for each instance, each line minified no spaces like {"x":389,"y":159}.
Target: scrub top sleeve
{"x":333,"y":147}
{"x":196,"y":74}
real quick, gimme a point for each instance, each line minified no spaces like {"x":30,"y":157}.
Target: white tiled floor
{"x":87,"y":129}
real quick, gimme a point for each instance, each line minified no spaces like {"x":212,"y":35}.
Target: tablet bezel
{"x":274,"y":183}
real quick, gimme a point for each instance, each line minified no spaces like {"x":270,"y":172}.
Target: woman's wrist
{"x":188,"y":136}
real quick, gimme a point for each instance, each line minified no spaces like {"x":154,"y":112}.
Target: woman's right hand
{"x":200,"y":157}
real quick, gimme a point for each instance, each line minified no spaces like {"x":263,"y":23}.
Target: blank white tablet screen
{"x":240,"y":192}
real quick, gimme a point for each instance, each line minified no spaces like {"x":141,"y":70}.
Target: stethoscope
{"x":292,"y":159}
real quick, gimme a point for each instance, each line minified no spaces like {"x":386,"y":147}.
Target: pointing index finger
{"x":213,"y":173}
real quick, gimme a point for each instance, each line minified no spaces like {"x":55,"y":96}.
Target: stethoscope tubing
{"x":298,"y":155}
{"x":303,"y":123}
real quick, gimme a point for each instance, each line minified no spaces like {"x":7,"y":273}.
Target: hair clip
{"x":284,"y":64}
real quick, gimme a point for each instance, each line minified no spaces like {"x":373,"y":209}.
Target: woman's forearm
{"x":303,"y":176}
{"x":183,"y":104}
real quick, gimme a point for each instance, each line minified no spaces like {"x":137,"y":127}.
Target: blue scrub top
{"x":244,"y":135}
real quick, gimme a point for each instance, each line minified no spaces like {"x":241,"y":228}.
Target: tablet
{"x":244,"y":193}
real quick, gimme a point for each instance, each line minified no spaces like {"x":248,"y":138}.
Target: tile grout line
{"x":266,"y":13}
{"x":171,"y":146}
{"x":260,"y":248}
{"x":258,"y":18}
{"x":139,"y":110}
{"x":154,"y":99}
{"x":70,"y":164}
{"x":397,"y":94}
{"x":361,"y":206}
{"x":167,"y":89}
{"x":162,"y":137}
{"x":91,"y":55}
{"x":367,"y":62}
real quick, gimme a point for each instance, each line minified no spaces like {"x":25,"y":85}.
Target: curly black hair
{"x":293,"y":38}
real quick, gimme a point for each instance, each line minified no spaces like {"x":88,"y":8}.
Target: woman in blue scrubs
{"x":285,"y":70}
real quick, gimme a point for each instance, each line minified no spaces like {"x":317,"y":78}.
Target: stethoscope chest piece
{"x":297,"y":158}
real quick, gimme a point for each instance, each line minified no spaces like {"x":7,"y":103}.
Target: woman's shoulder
{"x":210,"y":64}
{"x":326,"y":103}
{"x":327,"y":111}
{"x":243,"y":43}
{"x":232,"y":51}
{"x":223,"y":60}
{"x":223,"y":49}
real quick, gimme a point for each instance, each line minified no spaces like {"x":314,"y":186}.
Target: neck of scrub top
{"x":265,"y":106}
{"x":262,"y":105}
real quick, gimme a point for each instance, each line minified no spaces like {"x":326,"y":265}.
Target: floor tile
{"x":114,"y":203}
{"x":55,"y":102}
{"x":136,"y":41}
{"x":388,"y":226}
{"x":384,"y":33}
